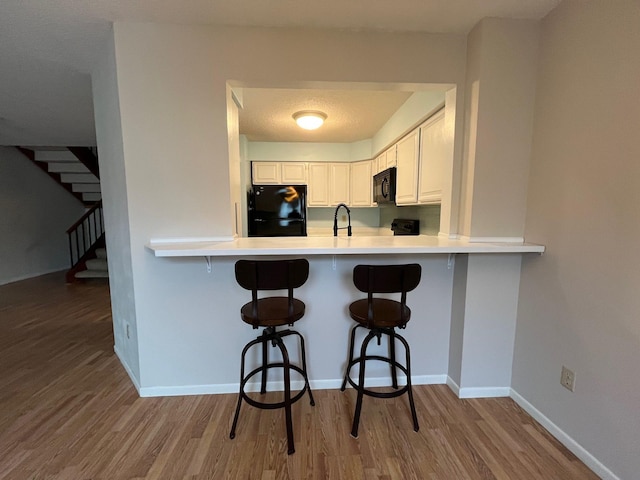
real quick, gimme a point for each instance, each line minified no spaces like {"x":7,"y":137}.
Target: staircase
{"x":96,"y":267}
{"x":76,"y":170}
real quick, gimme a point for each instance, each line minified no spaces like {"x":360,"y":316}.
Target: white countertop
{"x":341,"y":245}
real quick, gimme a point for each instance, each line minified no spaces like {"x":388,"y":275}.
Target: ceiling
{"x":47,"y":50}
{"x":352,"y":115}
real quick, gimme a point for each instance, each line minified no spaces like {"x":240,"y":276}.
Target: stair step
{"x":85,"y":187}
{"x":99,"y":264}
{"x":92,"y":274}
{"x":55,"y":156}
{"x":67,"y":167}
{"x":79,"y":178}
{"x":101,"y":253}
{"x":91,"y":196}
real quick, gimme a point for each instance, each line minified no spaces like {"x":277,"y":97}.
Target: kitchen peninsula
{"x":464,"y":308}
{"x":340,"y":245}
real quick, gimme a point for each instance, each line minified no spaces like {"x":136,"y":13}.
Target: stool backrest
{"x":386,"y":279}
{"x":256,"y":275}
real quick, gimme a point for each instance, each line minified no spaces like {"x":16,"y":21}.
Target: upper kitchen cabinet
{"x":362,"y":183}
{"x":434,"y":149}
{"x":386,"y":159}
{"x":340,"y":183}
{"x":422,"y":160}
{"x":318,"y":193}
{"x":408,"y":150}
{"x":329,"y":184}
{"x":391,"y":157}
{"x":277,"y":173}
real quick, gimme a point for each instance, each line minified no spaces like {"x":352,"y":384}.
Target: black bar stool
{"x":381,"y":316}
{"x":270,"y":313}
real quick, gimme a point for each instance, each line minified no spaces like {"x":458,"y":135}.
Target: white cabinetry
{"x":434,"y":149}
{"x":329,"y":184}
{"x":391,"y":157}
{"x":408,"y":150}
{"x":265,"y":173}
{"x":362,"y":183}
{"x":274,"y":173}
{"x":318,"y":193}
{"x":339,"y":183}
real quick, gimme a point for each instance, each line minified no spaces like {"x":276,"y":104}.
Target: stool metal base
{"x":394,"y":365}
{"x":271,"y":335}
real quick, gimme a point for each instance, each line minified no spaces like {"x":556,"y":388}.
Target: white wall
{"x":501,"y":78}
{"x":35,"y":213}
{"x":172,"y":84}
{"x":116,"y":215}
{"x":579,"y":302}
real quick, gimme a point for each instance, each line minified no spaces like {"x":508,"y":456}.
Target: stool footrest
{"x":396,"y":393}
{"x":272,"y":405}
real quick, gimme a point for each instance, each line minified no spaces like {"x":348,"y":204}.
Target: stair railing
{"x":85,"y":236}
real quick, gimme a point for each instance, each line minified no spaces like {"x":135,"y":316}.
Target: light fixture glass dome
{"x":309,"y":119}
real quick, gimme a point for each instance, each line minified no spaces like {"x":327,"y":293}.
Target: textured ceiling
{"x":352,"y":115}
{"x":47,"y":48}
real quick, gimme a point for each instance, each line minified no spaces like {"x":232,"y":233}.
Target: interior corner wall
{"x":116,"y":214}
{"x":579,"y":302}
{"x":35,"y":213}
{"x":501,"y":78}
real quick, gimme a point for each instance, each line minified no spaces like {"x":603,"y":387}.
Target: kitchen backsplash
{"x":381,"y":217}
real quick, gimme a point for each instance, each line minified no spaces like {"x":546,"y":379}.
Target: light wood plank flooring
{"x":69,"y":411}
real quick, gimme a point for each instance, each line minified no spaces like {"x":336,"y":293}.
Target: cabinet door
{"x":294,"y":173}
{"x":407,"y":173}
{"x":362,"y":184}
{"x":434,"y":148}
{"x":391,"y":157}
{"x":265,"y":173}
{"x":340,"y":188}
{"x":380,"y":163}
{"x":318,"y":192}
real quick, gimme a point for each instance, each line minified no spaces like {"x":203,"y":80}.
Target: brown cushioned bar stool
{"x":270,"y":313}
{"x":381,"y":316}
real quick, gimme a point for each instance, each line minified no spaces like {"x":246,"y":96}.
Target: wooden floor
{"x":69,"y":411}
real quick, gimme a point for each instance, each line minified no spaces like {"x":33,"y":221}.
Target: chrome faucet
{"x":335,"y":221}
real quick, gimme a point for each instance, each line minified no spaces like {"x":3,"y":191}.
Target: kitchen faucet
{"x":335,"y":220}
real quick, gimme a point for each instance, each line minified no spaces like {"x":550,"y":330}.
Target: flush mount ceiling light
{"x":309,"y":119}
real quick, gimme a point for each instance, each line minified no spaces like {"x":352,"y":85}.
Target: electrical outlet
{"x":568,"y":379}
{"x":127,"y":331}
{"x":343,"y":218}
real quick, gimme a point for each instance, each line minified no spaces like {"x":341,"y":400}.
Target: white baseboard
{"x":275,"y":386}
{"x":477,"y":392}
{"x":127,"y":369}
{"x":578,"y":450}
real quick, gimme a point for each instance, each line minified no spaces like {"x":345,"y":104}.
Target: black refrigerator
{"x":277,"y":211}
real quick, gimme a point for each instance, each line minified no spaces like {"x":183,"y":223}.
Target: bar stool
{"x":381,"y":316}
{"x":270,"y":313}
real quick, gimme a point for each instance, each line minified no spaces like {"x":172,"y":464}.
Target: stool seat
{"x":272,"y":312}
{"x":386,"y":313}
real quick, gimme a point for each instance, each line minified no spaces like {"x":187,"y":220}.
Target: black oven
{"x":384,"y":186}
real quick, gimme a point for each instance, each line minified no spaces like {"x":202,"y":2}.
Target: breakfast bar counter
{"x":465,"y":307}
{"x":326,"y":245}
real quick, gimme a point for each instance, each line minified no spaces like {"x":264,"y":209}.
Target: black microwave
{"x":384,"y":186}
